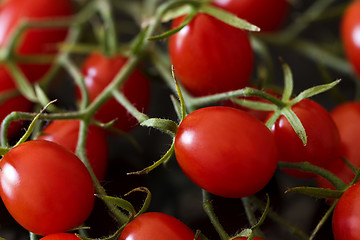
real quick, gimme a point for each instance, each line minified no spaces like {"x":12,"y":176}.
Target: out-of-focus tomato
{"x":268,"y":15}
{"x":99,"y":71}
{"x":210,"y":56}
{"x":346,"y":216}
{"x":156,"y":226}
{"x":350,"y":34}
{"x":45,"y":187}
{"x":66,"y":132}
{"x":34,"y":41}
{"x":323,"y":145}
{"x":226,"y":151}
{"x":346,"y":117}
{"x":61,"y":236}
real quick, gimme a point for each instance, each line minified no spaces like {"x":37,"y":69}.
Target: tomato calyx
{"x":191,"y":8}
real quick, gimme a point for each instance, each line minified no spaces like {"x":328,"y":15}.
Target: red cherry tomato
{"x":346,"y":216}
{"x":350,"y":34}
{"x":210,"y":56}
{"x":323,"y":141}
{"x":268,"y":15}
{"x":45,"y":187}
{"x":159,"y":226}
{"x":99,"y":71}
{"x":60,"y":236}
{"x":66,"y":132}
{"x":346,"y":117}
{"x":226,"y":151}
{"x":34,"y":41}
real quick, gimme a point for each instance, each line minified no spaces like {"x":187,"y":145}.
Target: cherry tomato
{"x":99,"y":71}
{"x":45,"y":187}
{"x":66,"y":132}
{"x":34,"y":41}
{"x":60,"y":236}
{"x":210,"y":56}
{"x":346,"y":216}
{"x":226,"y":151}
{"x":323,"y":141}
{"x":155,"y":225}
{"x":268,"y":15}
{"x":346,"y":117}
{"x":18,"y":103}
{"x":350,"y":34}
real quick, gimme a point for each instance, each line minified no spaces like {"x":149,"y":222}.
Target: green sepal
{"x":147,"y":201}
{"x":165,"y":125}
{"x":295,"y":124}
{"x":228,"y":18}
{"x":314,"y":91}
{"x":288,"y":82}
{"x":43,"y":99}
{"x":165,"y":158}
{"x":256,"y":105}
{"x":316,"y":192}
{"x":191,"y":14}
{"x":119,"y":202}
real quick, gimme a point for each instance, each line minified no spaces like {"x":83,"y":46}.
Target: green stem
{"x":81,"y":152}
{"x":111,"y":36}
{"x":208,"y":208}
{"x":251,"y":216}
{"x":323,"y":220}
{"x":281,"y":221}
{"x":33,"y":236}
{"x":307,"y":167}
{"x":120,"y":97}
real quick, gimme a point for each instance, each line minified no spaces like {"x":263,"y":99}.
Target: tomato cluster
{"x":236,"y":125}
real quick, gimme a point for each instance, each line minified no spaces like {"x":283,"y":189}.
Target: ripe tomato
{"x":210,"y":56}
{"x":45,"y":187}
{"x":268,"y":15}
{"x":18,"y":103}
{"x":60,"y":236}
{"x":350,"y":34}
{"x":226,"y":151}
{"x":155,"y":225}
{"x":34,"y":41}
{"x":323,"y":145}
{"x":66,"y":132}
{"x":99,"y":71}
{"x":346,"y":216}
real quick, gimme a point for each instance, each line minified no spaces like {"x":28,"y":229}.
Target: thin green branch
{"x":208,"y":208}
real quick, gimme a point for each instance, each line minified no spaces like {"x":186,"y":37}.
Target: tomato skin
{"x":66,"y":132}
{"x":346,"y":117}
{"x":60,"y":236}
{"x":226,"y":151}
{"x":268,"y":15}
{"x":34,"y":41}
{"x":155,"y":225}
{"x":323,"y":141}
{"x":350,"y":34}
{"x":40,"y":207}
{"x":210,"y":56}
{"x":346,"y":216}
{"x":99,"y":71}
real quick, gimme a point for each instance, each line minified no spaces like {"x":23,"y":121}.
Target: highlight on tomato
{"x":210,"y":56}
{"x":34,"y":41}
{"x":45,"y":187}
{"x":350,"y":34}
{"x":323,"y":141}
{"x":346,"y":215}
{"x":226,"y":151}
{"x":156,"y":226}
{"x":268,"y":15}
{"x":60,"y":236}
{"x":99,"y":71}
{"x":66,"y":132}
